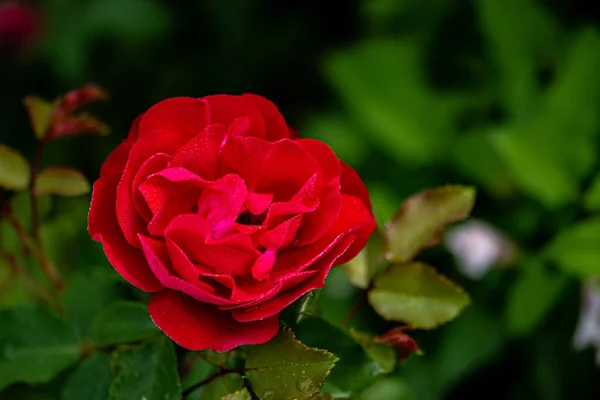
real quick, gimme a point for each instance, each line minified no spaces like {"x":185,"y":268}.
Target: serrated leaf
{"x":364,"y":266}
{"x":40,"y":114}
{"x":356,"y":368}
{"x":90,"y":381}
{"x":14,"y":169}
{"x":123,"y":322}
{"x":417,"y":295}
{"x":239,"y":395}
{"x":422,"y":217}
{"x":61,"y":181}
{"x":34,"y":345}
{"x":532,"y":296}
{"x":284,"y":368}
{"x":148,"y":372}
{"x":591,"y":199}
{"x":576,"y":249}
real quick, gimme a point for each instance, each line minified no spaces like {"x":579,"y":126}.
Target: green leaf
{"x":576,"y":249}
{"x":284,"y":368}
{"x":239,"y":395}
{"x":417,"y":295}
{"x":40,"y":114}
{"x":422,"y":217}
{"x":34,"y":345}
{"x":90,"y":381}
{"x":61,"y":181}
{"x":15,"y":172}
{"x":356,"y":368}
{"x":364,"y":266}
{"x":86,"y":294}
{"x":148,"y":372}
{"x":123,"y":322}
{"x":222,"y":387}
{"x":591,"y":199}
{"x":532,"y":297}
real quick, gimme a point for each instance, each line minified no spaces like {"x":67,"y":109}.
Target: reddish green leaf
{"x":40,"y":114}
{"x":61,"y":181}
{"x":14,"y":169}
{"x":423,"y":216}
{"x":81,"y":124}
{"x":81,"y":97}
{"x":417,"y":295}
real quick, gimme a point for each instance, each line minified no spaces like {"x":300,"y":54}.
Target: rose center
{"x":247,"y":218}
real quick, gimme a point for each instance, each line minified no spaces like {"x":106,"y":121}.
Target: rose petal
{"x":116,"y":161}
{"x":185,"y":117}
{"x":151,"y":143}
{"x":154,"y":164}
{"x":318,"y":222}
{"x":330,"y":165}
{"x":281,"y":168}
{"x":169,"y":193}
{"x":276,"y":127}
{"x":198,"y":326}
{"x":225,"y":109}
{"x":263,"y":265}
{"x":200,"y":154}
{"x":283,"y":299}
{"x":258,"y":203}
{"x":356,"y":219}
{"x":103,"y":227}
{"x":221,"y":202}
{"x":232,"y":255}
{"x":157,"y":258}
{"x":282,"y":235}
{"x":353,"y":185}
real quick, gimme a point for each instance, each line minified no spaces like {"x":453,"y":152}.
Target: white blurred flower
{"x":477,"y":247}
{"x":587,"y":333}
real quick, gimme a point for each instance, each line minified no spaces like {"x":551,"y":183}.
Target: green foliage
{"x":123,"y":322}
{"x":362,"y":268}
{"x":422,"y":217}
{"x":35,"y":345}
{"x":417,"y":295}
{"x":284,"y":368}
{"x":149,"y":372}
{"x":61,"y":181}
{"x":14,"y":169}
{"x":239,"y":395}
{"x":40,"y":114}
{"x":90,"y":381}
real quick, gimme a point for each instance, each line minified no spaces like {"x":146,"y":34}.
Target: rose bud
{"x":216,"y":207}
{"x":17,"y":27}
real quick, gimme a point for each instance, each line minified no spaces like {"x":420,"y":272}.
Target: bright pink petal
{"x":221,"y":202}
{"x":283,"y":299}
{"x":185,"y":117}
{"x":276,"y":127}
{"x":304,"y":201}
{"x":200,"y":154}
{"x":281,"y":235}
{"x":199,"y":326}
{"x":226,"y":109}
{"x":103,"y":227}
{"x":263,"y":265}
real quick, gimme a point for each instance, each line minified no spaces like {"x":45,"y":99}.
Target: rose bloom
{"x":218,"y":208}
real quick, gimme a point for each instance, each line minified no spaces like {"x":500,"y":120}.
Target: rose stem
{"x":211,"y":378}
{"x":49,"y":269}
{"x":355,"y":307}
{"x":18,"y":269}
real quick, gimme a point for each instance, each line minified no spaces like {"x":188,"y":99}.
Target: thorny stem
{"x":49,"y":269}
{"x":21,"y":271}
{"x":211,"y":378}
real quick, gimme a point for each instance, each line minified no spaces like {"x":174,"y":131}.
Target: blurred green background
{"x":500,"y":94}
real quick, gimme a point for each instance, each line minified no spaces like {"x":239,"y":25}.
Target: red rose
{"x":216,"y":207}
